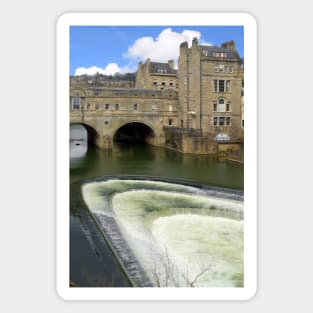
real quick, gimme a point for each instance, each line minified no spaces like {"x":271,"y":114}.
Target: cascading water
{"x":169,"y":234}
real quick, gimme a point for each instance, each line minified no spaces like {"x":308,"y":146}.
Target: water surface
{"x":91,"y":260}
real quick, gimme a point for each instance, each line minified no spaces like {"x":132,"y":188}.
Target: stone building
{"x":210,"y":89}
{"x":156,"y":75}
{"x":197,"y":108}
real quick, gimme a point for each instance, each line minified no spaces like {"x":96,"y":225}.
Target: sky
{"x":118,"y":49}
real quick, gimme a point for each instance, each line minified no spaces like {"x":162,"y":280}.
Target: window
{"x":220,"y":54}
{"x":163,"y":83}
{"x":228,"y":86}
{"x":88,"y":106}
{"x":161,"y":71}
{"x":214,"y":107}
{"x":221,"y":86}
{"x":170,"y":121}
{"x":221,"y":105}
{"x":135,"y":106}
{"x":116,"y":106}
{"x":155,"y":83}
{"x":170,"y":108}
{"x":97,"y":106}
{"x":228,"y":121}
{"x":171,"y":83}
{"x":107,"y":106}
{"x":222,"y":121}
{"x":215,"y":121}
{"x":242,"y":123}
{"x":228,"y":107}
{"x":215,"y":85}
{"x":182,"y":123}
{"x":76,"y":104}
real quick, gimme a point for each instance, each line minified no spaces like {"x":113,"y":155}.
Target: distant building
{"x":156,"y":75}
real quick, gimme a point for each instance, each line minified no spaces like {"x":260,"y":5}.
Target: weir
{"x":170,"y":234}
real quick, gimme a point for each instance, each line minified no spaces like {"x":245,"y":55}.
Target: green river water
{"x":92,"y":263}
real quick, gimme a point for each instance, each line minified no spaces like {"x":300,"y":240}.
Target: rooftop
{"x":161,"y":68}
{"x":219,"y":52}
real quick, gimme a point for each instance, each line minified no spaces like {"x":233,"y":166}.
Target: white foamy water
{"x":207,"y":251}
{"x":176,"y":234}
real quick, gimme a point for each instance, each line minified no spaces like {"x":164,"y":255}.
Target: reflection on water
{"x":141,"y":159}
{"x":78,"y":150}
{"x":78,"y":145}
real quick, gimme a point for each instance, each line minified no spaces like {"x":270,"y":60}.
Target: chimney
{"x":184,"y":45}
{"x":195,"y":42}
{"x":229,"y":45}
{"x":171,"y":64}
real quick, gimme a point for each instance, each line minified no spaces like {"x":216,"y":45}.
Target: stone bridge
{"x":123,"y":114}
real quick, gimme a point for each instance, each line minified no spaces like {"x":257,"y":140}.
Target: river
{"x":91,"y":260}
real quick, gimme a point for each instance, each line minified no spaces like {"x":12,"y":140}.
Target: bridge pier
{"x":104,"y":142}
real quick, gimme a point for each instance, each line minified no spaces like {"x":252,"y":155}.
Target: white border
{"x":250,"y":167}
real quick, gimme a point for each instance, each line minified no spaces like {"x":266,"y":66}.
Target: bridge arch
{"x":92,"y":135}
{"x":134,"y":131}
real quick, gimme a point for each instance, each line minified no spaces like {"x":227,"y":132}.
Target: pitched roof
{"x":161,"y":68}
{"x":210,"y":51}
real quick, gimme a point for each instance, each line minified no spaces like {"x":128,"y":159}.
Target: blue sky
{"x":110,"y":49}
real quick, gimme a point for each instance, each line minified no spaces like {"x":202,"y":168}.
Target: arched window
{"x":221,"y":105}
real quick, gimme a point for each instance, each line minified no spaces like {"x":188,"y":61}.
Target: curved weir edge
{"x":129,"y":262}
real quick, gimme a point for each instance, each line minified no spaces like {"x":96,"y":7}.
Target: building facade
{"x":210,"y":89}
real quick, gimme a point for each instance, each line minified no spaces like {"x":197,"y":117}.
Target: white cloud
{"x":164,"y":47}
{"x":161,"y":49}
{"x":110,"y":69}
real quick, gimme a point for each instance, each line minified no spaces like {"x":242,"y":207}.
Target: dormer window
{"x":162,"y":71}
{"x":220,"y":54}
